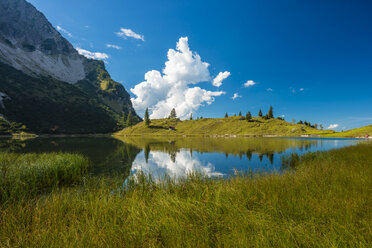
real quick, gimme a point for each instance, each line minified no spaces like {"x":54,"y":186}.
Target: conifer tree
{"x":173,"y":114}
{"x":240,"y":114}
{"x":129,"y":119}
{"x":270,"y":114}
{"x":147,"y":118}
{"x":248,"y":116}
{"x":226,"y":115}
{"x":260,"y":113}
{"x":191,"y":117}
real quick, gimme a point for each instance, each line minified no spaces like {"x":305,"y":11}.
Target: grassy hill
{"x":220,"y":127}
{"x":357,"y":132}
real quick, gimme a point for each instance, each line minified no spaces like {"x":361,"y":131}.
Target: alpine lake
{"x":177,"y":156}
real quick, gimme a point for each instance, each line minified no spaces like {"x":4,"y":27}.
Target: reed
{"x":23,"y":176}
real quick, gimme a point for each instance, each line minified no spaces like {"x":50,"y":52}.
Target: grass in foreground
{"x":23,"y":176}
{"x":221,"y":126}
{"x":325,"y":202}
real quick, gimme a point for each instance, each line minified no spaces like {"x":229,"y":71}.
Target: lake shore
{"x":323,"y":200}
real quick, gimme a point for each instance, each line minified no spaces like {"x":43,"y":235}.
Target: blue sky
{"x":316,"y":56}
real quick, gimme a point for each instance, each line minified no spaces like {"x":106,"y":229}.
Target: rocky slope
{"x":32,"y":50}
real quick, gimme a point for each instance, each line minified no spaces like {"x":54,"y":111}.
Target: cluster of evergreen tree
{"x":310,"y":125}
{"x":128,"y":121}
{"x":248,"y":116}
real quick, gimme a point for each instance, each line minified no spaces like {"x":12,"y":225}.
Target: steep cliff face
{"x":32,"y":50}
{"x":30,"y":43}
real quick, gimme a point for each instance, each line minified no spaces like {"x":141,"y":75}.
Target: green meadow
{"x":322,"y":199}
{"x":235,"y":125}
{"x":357,"y":132}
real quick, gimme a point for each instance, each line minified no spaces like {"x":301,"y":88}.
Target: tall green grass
{"x":23,"y":176}
{"x":325,"y":202}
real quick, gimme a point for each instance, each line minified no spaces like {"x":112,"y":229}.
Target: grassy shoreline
{"x":24,"y":176}
{"x":324,"y":202}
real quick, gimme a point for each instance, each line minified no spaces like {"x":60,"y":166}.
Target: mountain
{"x":47,"y":85}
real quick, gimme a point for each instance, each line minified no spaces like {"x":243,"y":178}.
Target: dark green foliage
{"x":280,"y":118}
{"x":124,"y":119}
{"x":173,"y":114}
{"x":191,"y":117}
{"x":226,"y":115}
{"x":46,"y":105}
{"x":147,"y":118}
{"x":7,"y":128}
{"x":270,"y":114}
{"x":260,"y":113}
{"x":240,"y":113}
{"x":300,"y":122}
{"x":248,"y":116}
{"x":129,"y":119}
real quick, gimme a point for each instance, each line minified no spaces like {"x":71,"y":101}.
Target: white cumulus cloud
{"x":249,"y":83}
{"x":217,"y":81}
{"x":124,"y":33}
{"x":269,"y":89}
{"x":160,"y":92}
{"x":332,"y":126}
{"x":113,"y":46}
{"x":59,"y":28}
{"x":92,"y":55}
{"x":236,"y":95}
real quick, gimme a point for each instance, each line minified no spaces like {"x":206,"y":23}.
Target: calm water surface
{"x":178,"y":156}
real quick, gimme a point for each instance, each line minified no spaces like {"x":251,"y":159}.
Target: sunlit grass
{"x":23,"y":176}
{"x":325,"y":201}
{"x":220,"y":127}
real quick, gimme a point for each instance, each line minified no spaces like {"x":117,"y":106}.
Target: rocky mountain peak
{"x":31,"y":44}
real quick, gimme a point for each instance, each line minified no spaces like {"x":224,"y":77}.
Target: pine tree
{"x":147,"y":118}
{"x":191,"y":117}
{"x":173,"y":114}
{"x":270,"y":114}
{"x":248,"y":116}
{"x":129,"y":119}
{"x":124,"y":120}
{"x":240,"y":114}
{"x":260,"y":113}
{"x":226,"y":115}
